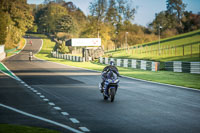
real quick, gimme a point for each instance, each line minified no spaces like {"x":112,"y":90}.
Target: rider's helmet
{"x":112,"y":63}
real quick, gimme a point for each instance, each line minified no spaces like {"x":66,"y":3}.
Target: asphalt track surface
{"x":139,"y":107}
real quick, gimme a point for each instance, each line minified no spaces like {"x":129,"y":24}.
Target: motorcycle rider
{"x":106,"y":70}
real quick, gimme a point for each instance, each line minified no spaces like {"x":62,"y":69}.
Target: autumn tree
{"x":3,"y":27}
{"x":191,"y":21}
{"x":19,"y":20}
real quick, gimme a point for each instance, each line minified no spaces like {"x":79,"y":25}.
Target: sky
{"x":145,"y":9}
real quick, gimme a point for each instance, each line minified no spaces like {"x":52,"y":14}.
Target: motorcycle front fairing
{"x":111,"y":83}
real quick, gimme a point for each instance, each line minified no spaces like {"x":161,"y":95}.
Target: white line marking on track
{"x":46,"y":100}
{"x":38,"y":93}
{"x":74,"y":120}
{"x":41,"y":118}
{"x":52,"y":104}
{"x":35,"y":91}
{"x":57,"y":108}
{"x":84,"y":129}
{"x":64,"y":113}
{"x":42,"y":96}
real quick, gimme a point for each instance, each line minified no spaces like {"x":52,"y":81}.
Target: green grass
{"x":180,"y":79}
{"x":168,"y":52}
{"x":6,"y":128}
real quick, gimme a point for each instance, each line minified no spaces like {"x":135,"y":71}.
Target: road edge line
{"x":41,"y":118}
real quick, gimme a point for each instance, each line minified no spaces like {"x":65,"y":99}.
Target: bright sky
{"x":146,"y":9}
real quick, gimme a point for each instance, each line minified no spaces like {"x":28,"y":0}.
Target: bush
{"x":169,"y":33}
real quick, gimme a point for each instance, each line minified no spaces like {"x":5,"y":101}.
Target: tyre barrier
{"x":179,"y":66}
{"x":132,"y":63}
{"x":67,"y":57}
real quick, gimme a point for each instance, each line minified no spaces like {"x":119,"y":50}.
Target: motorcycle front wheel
{"x":112,"y":94}
{"x":105,"y":97}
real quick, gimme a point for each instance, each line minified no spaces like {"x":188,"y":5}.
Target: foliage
{"x":63,"y":49}
{"x":3,"y":28}
{"x":47,"y":18}
{"x":191,"y":21}
{"x":18,"y":19}
{"x":176,"y":7}
{"x":175,"y":20}
{"x":65,"y":24}
{"x":63,"y":17}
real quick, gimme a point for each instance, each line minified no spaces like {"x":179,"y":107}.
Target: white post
{"x":118,"y":62}
{"x":195,"y":67}
{"x":106,"y":61}
{"x":125,"y":62}
{"x":153,"y":66}
{"x":101,"y":60}
{"x":133,"y":63}
{"x":143,"y":65}
{"x":177,"y":65}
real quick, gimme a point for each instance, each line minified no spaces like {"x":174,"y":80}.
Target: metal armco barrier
{"x":131,"y":63}
{"x":187,"y":67}
{"x":67,"y":57}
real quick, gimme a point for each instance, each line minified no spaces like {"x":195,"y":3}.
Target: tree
{"x":98,"y":9}
{"x":164,"y":20}
{"x":19,"y":20}
{"x":65,"y":24}
{"x":3,"y":27}
{"x":176,"y":7}
{"x":112,"y":13}
{"x":48,"y":17}
{"x":191,"y":21}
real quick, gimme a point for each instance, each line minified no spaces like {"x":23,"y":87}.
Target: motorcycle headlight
{"x":109,"y":80}
{"x":116,"y":81}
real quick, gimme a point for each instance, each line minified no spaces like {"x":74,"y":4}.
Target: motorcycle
{"x":30,"y":56}
{"x":110,"y":86}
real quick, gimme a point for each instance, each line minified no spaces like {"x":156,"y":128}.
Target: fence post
{"x":175,"y":50}
{"x":199,"y":50}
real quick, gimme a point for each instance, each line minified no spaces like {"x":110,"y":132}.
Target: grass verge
{"x":22,"y":43}
{"x":6,"y":128}
{"x":180,"y":79}
{"x":166,"y":51}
